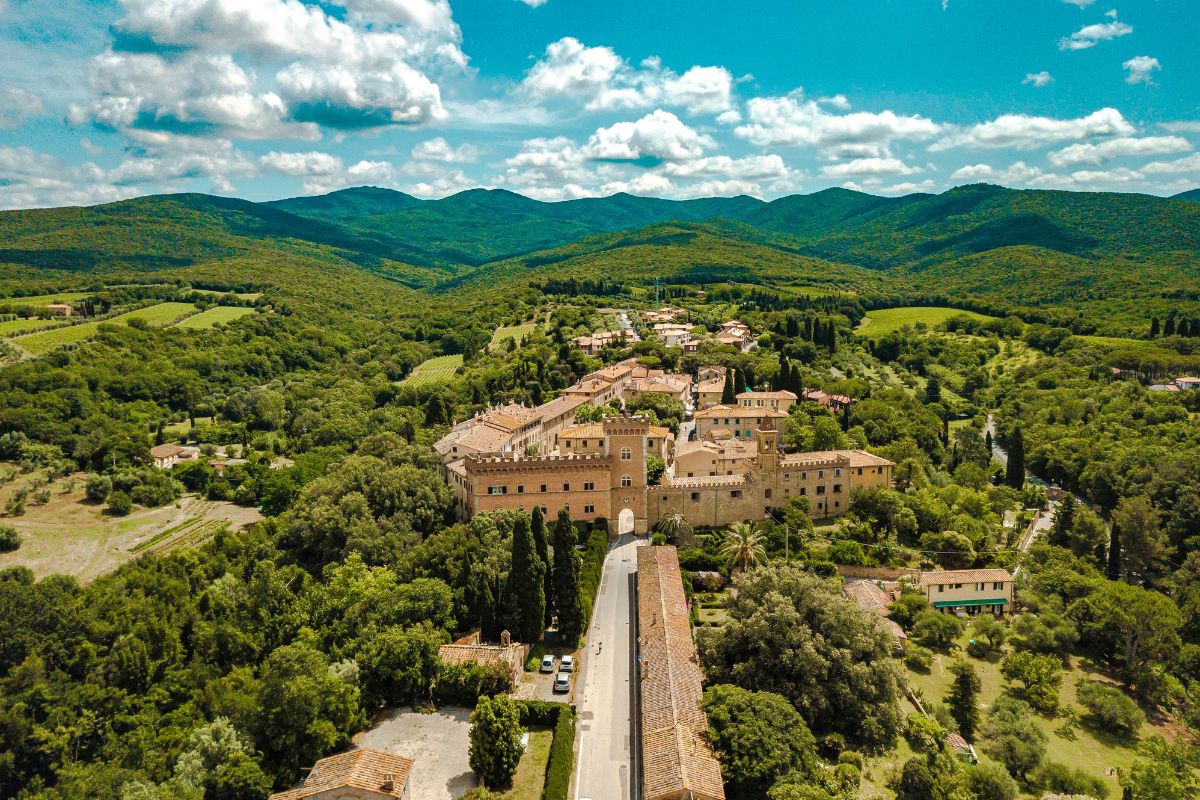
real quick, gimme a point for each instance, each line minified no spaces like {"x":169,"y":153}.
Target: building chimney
{"x":389,"y":783}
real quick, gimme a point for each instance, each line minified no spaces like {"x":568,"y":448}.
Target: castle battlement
{"x":794,"y":462}
{"x":496,"y":465}
{"x":708,"y":481}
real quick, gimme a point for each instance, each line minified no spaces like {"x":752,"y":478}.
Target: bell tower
{"x":768,"y":447}
{"x":625,"y":442}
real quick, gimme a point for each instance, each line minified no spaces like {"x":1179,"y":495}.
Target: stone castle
{"x":515,"y":457}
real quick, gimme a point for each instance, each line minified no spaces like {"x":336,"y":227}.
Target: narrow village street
{"x":604,"y":767}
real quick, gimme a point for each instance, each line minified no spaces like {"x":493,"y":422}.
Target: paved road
{"x":603,"y":694}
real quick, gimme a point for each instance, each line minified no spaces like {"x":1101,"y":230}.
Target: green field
{"x":239,"y":295}
{"x":439,"y":369}
{"x":44,"y":299}
{"x":214,"y":316}
{"x":16,"y":326}
{"x":886,"y":320}
{"x":506,"y":332}
{"x":157,"y":315}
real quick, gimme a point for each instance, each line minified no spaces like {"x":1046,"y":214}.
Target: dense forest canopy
{"x":271,"y":646}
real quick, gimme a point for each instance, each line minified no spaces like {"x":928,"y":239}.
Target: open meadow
{"x":14,"y":327}
{"x":507,"y":333}
{"x":214,"y":316}
{"x":72,"y":536}
{"x":886,"y":320}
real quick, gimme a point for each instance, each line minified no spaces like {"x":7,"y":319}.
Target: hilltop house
{"x":968,"y":590}
{"x":781,"y":400}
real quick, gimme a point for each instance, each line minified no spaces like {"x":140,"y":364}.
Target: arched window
{"x":626,"y":481}
{"x":626,"y":454}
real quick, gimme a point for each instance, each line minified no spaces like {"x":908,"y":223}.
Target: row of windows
{"x":979,"y":587}
{"x":588,"y":486}
{"x":736,"y":494}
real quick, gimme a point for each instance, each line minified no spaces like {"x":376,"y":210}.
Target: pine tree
{"x":963,"y":699}
{"x":567,"y":598}
{"x":727,"y":391}
{"x":537,"y":526}
{"x":526,"y":594}
{"x":1014,"y":474}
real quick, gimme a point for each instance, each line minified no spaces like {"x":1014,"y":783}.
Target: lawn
{"x":17,"y":326}
{"x":44,"y":299}
{"x":214,"y":316}
{"x":1093,"y":751}
{"x":506,"y":332}
{"x":439,"y":369}
{"x":886,"y":320}
{"x":157,"y":315}
{"x":531,"y":772}
{"x":239,"y":295}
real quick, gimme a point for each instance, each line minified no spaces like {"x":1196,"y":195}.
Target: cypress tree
{"x":526,"y":594}
{"x":727,"y":391}
{"x":1155,"y":328}
{"x":963,"y":699}
{"x":1064,"y":519}
{"x":933,"y":390}
{"x":1169,"y":330}
{"x":739,"y":383}
{"x":1014,"y":474}
{"x":537,"y":526}
{"x":1114,"y":553}
{"x":567,"y":599}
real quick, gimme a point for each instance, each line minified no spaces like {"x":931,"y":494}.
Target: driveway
{"x":436,"y":742}
{"x":603,"y":694}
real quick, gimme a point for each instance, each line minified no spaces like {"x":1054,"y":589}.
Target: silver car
{"x":547,"y":663}
{"x":562,"y":683}
{"x":567,"y":664}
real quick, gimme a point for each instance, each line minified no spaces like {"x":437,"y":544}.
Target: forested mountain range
{"x":1023,"y":247}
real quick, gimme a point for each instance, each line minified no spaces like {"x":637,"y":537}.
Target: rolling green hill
{"x":1118,"y":256}
{"x":1192,"y":194}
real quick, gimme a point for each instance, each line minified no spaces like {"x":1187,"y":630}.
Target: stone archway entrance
{"x":625,"y":522}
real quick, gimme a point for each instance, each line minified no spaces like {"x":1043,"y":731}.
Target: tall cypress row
{"x":537,"y":526}
{"x":567,"y":600}
{"x":526,"y":594}
{"x":1014,"y":474}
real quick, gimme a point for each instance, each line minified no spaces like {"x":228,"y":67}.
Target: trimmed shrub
{"x":1109,"y":708}
{"x":917,"y":658}
{"x":591,"y":569}
{"x":9,"y":539}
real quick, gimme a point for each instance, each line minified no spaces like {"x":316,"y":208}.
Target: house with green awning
{"x":972,"y":591}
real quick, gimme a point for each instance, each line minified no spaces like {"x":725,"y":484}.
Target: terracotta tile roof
{"x":867,"y":595}
{"x":965,"y":576}
{"x":723,"y":411}
{"x":587,"y":430}
{"x":165,"y":450}
{"x":676,"y":758}
{"x":511,"y":656}
{"x":366,"y":769}
{"x":559,"y":406}
{"x":484,"y":438}
{"x":861,"y":458}
{"x":782,"y":394}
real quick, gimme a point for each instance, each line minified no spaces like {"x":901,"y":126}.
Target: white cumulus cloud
{"x":1091,"y":35}
{"x":1038,"y":79}
{"x":439,"y":150}
{"x":658,"y":136}
{"x":1141,"y":69}
{"x":1100,"y":152}
{"x":598,"y":79}
{"x":860,"y":167}
{"x":795,"y":121}
{"x":1022,"y":131}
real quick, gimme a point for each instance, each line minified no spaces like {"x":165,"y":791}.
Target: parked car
{"x":568,"y":664}
{"x":562,"y":682}
{"x":547,"y":663}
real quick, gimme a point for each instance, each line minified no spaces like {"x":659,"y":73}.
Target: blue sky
{"x":102,"y":100}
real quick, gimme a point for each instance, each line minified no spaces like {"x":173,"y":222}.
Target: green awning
{"x":964,"y":603}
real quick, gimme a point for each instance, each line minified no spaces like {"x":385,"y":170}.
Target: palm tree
{"x":676,"y":528}
{"x":743,"y":546}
